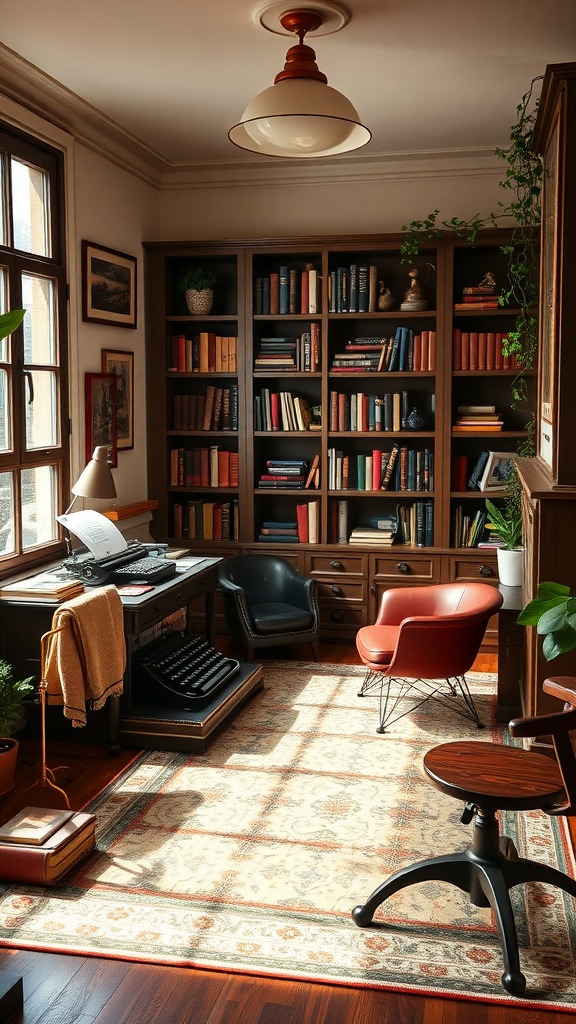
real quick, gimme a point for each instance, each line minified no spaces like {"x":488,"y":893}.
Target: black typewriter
{"x":180,"y":670}
{"x":133,"y":565}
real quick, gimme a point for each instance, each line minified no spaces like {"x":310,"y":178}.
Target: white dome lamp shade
{"x":300,"y":115}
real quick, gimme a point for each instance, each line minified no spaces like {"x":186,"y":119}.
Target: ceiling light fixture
{"x":300,"y":115}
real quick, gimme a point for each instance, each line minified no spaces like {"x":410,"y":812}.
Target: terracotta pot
{"x":8,"y":755}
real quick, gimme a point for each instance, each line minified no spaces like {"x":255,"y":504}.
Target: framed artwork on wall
{"x":122,"y":364}
{"x":108,"y":286}
{"x":101,"y":414}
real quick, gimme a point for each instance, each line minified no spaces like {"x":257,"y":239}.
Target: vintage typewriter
{"x":180,"y":670}
{"x":132,"y":565}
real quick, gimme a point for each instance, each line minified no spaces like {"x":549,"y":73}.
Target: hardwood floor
{"x":67,"y":989}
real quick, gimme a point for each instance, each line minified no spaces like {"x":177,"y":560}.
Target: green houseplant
{"x":507,"y":521}
{"x":13,"y":694}
{"x":198,"y":284}
{"x":553,"y":612}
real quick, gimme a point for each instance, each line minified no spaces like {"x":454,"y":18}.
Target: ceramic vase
{"x":510,"y":563}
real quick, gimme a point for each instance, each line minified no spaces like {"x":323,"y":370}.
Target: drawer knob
{"x":336,"y":589}
{"x":403,"y":567}
{"x":485,"y":570}
{"x":335,"y":616}
{"x":336,"y":565}
{"x":373,"y":588}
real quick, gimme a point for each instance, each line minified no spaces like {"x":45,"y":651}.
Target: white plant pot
{"x":510,"y":565}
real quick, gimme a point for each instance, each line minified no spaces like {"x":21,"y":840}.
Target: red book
{"x":274,"y":294}
{"x":304,"y":292}
{"x":302,"y":521}
{"x":48,"y":863}
{"x":233,"y":469}
{"x":432,"y":350}
{"x":460,"y":473}
{"x":223,"y":469}
{"x":376,"y":469}
{"x":490,"y":350}
{"x":465,"y":351}
{"x":204,"y":467}
{"x":275,"y":410}
{"x":473,"y":365}
{"x":417,"y":358}
{"x":424,"y":347}
{"x":181,"y":353}
{"x":456,"y":349}
{"x":482,"y":350}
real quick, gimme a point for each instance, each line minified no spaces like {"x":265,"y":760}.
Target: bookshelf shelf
{"x":427,"y":380}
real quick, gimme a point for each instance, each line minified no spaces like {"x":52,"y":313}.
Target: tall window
{"x":33,"y":382}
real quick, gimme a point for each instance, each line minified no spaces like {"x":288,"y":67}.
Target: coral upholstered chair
{"x":423,"y":642}
{"x":490,"y":777}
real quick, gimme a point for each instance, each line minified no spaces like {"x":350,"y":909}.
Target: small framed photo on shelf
{"x":122,"y":364}
{"x":101,"y":414}
{"x":108,"y":286}
{"x":497,"y":471}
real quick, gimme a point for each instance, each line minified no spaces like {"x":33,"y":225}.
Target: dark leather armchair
{"x":268,"y":603}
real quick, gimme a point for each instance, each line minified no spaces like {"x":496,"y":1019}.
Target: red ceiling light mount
{"x":300,"y":116}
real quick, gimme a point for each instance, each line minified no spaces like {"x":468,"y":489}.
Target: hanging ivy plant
{"x":523,"y":180}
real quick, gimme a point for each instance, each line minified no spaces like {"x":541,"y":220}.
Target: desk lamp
{"x":95,"y":481}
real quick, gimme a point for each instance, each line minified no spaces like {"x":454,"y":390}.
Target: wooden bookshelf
{"x":300,"y":354}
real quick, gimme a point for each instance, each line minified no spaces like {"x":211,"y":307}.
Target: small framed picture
{"x":108,"y":286}
{"x":122,"y":364}
{"x":497,"y":471}
{"x":101,"y":414}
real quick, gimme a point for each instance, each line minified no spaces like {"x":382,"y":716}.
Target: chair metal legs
{"x":486,"y":871}
{"x":453,"y":694}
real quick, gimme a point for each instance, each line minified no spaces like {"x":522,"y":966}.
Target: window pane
{"x":40,"y":320}
{"x":7,"y":540}
{"x":3,"y":239}
{"x":5,"y":439}
{"x":41,"y":412}
{"x":38,"y":506}
{"x":3,"y":288}
{"x":30,"y":208}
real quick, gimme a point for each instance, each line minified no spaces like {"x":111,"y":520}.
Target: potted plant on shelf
{"x":13,"y":694}
{"x":507,"y":521}
{"x":553,"y":612}
{"x":198,"y":285}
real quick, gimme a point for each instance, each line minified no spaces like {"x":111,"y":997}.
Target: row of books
{"x":481,"y":350}
{"x":411,"y":524}
{"x":362,"y":412}
{"x":468,"y":527}
{"x":287,"y":291}
{"x":206,"y":352}
{"x":404,"y":352}
{"x":289,"y":474}
{"x":416,"y":524}
{"x":282,"y":410}
{"x":206,"y":520}
{"x":400,"y":469}
{"x":477,"y":418}
{"x":490,"y":471}
{"x":203,"y":467}
{"x":379,"y":530}
{"x":303,"y":530}
{"x":216,"y":409}
{"x":294,"y":353}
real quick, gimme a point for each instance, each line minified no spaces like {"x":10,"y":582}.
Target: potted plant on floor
{"x":13,"y":694}
{"x":507,"y":521}
{"x":198,"y":284}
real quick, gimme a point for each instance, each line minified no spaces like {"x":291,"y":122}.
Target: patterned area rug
{"x":250,"y":858}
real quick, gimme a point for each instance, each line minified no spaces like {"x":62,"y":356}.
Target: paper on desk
{"x":97,"y":532}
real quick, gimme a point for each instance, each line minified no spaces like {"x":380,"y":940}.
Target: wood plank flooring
{"x":63,"y":989}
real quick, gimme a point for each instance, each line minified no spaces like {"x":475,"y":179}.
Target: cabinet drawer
{"x":341,"y":590}
{"x":420,"y":569}
{"x":327,"y":564}
{"x":344,"y":618}
{"x":475,"y":568}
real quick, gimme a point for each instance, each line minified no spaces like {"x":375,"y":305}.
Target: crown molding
{"x":30,"y":87}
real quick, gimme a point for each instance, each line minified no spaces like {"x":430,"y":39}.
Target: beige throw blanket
{"x":86,"y":660}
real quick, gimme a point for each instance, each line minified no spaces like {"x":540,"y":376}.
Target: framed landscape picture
{"x":122,"y":364}
{"x":108,"y":286}
{"x":100,"y":396}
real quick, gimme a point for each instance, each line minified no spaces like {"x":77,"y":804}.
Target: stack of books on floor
{"x":481,"y":418}
{"x":40,"y":845}
{"x":50,"y":586}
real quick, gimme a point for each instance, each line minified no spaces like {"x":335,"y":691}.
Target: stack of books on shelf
{"x":477,"y":418}
{"x":282,"y":410}
{"x":481,"y":350}
{"x":284,"y":474}
{"x":203,"y":467}
{"x":377,"y":530}
{"x":216,"y":409}
{"x":365,"y":355}
{"x":353,"y":289}
{"x":288,"y":291}
{"x":273,"y":531}
{"x":480,"y":296}
{"x":40,"y":845}
{"x":206,"y":520}
{"x":299,"y":354}
{"x":206,"y":352}
{"x":49,"y":586}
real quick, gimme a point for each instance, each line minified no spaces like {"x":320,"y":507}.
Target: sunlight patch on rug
{"x":250,"y":857}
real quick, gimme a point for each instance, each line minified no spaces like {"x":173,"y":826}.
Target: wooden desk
{"x":22,"y":624}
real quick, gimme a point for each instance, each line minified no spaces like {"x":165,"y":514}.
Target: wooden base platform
{"x":158,"y":727}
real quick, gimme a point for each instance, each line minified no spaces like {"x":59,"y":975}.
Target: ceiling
{"x":424,"y":75}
